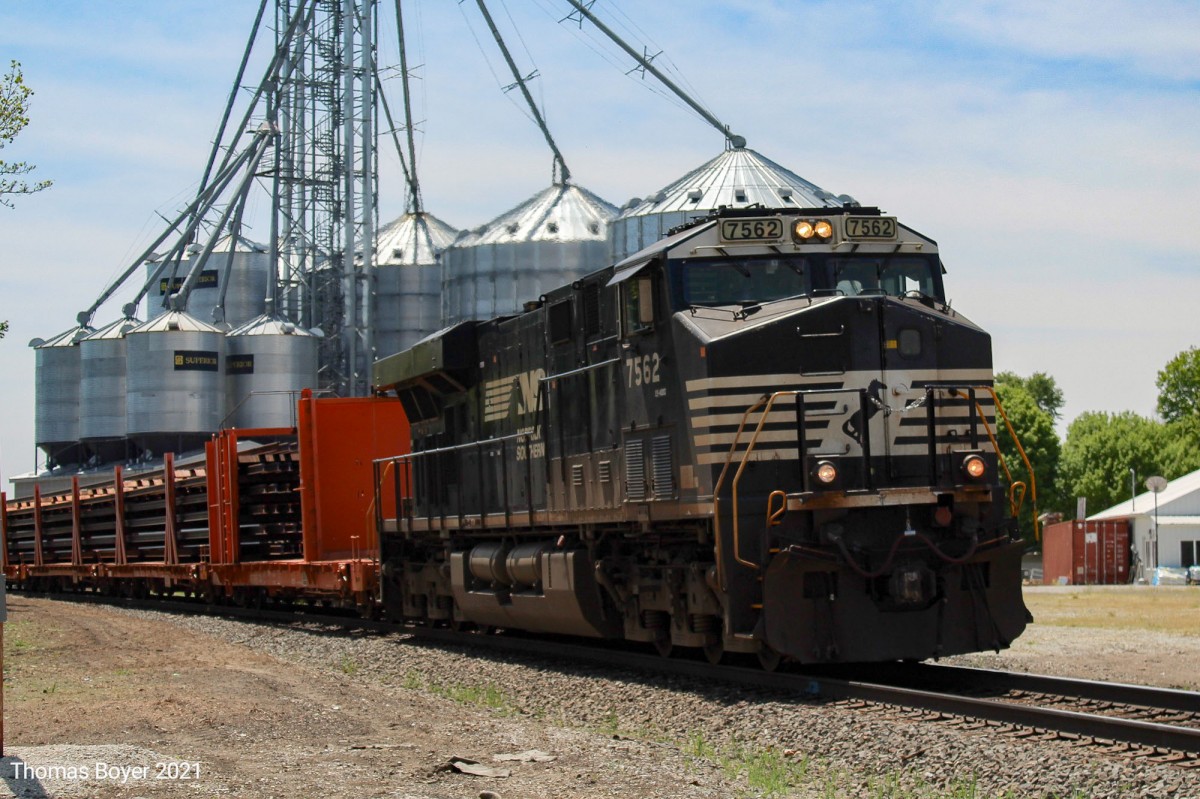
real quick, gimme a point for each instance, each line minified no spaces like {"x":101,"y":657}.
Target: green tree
{"x":1041,"y":387}
{"x":1034,"y":427}
{"x":14,"y":116}
{"x":1100,"y":450}
{"x":1181,"y":447}
{"x":1179,"y":387}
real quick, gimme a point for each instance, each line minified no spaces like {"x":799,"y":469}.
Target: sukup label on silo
{"x":196,"y":360}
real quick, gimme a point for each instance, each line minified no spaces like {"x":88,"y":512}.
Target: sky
{"x":1051,"y":149}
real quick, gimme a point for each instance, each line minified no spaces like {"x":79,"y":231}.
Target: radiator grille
{"x":664,"y":475}
{"x":635,"y":471}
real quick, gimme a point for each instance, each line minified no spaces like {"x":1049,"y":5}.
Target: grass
{"x":767,"y":772}
{"x":487,"y":695}
{"x":348,"y":666}
{"x":1166,"y":609}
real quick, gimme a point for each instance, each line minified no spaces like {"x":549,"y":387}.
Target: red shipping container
{"x":1086,"y":553}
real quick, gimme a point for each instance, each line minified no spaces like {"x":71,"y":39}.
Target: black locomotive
{"x":766,"y":433}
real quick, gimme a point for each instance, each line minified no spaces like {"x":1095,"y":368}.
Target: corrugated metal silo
{"x":549,"y":240}
{"x":268,"y":361}
{"x":175,"y":395}
{"x":103,"y":360}
{"x":736,"y":178}
{"x":408,"y":281}
{"x":56,"y":395}
{"x":245,"y":295}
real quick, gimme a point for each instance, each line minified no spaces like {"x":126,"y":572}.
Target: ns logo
{"x":517,"y":393}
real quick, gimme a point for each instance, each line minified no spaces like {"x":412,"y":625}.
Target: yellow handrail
{"x":717,"y":496}
{"x":1013,"y":502}
{"x":717,"y":492}
{"x":773,"y":517}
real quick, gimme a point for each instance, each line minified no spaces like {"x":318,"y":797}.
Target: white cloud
{"x":1155,"y":38}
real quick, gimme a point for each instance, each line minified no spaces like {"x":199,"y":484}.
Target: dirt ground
{"x":89,"y":687}
{"x":81,"y":691}
{"x":1132,"y":634}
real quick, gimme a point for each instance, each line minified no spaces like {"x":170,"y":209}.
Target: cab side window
{"x":637,"y":305}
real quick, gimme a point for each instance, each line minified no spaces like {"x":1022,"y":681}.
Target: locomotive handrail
{"x":768,"y":401}
{"x":1016,"y":505}
{"x":406,"y":461}
{"x":580,"y":370}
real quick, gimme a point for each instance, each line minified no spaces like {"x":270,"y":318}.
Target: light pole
{"x":1155,"y":484}
{"x":1132,"y":490}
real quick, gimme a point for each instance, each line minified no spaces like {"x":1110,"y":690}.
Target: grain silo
{"x":245,"y":287}
{"x":56,"y":395}
{"x":268,"y":361}
{"x":555,"y":237}
{"x":103,"y":360}
{"x":175,"y":395}
{"x":737,"y":178}
{"x":408,"y":281}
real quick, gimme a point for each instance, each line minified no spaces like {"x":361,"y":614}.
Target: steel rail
{"x":1142,"y":696}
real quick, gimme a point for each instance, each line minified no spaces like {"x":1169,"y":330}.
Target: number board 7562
{"x":753,"y":229}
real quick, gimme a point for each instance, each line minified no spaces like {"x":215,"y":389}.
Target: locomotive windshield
{"x":892,"y":276}
{"x":754,"y":280}
{"x":729,"y":281}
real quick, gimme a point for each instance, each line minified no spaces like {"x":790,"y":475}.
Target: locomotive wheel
{"x":714,"y":652}
{"x":664,"y":647}
{"x":768,"y":658}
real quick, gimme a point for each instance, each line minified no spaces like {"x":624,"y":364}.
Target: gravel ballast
{"x":820,"y":749}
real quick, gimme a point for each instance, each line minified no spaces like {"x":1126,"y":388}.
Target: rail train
{"x":767,"y":433}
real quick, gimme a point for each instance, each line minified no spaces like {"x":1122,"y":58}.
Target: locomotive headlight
{"x":826,"y":472}
{"x":804,"y":230}
{"x":823,"y":229}
{"x":974,"y":467}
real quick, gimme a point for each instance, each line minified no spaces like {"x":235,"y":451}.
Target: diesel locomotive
{"x":767,"y":433}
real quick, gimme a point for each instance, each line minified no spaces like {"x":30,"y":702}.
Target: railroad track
{"x":1129,"y":720}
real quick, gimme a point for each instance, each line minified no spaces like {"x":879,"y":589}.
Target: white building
{"x":1176,"y":542}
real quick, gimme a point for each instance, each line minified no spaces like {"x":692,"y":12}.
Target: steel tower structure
{"x":325,"y":178}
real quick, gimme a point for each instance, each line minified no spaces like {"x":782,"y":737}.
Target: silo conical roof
{"x":269,"y":325}
{"x":114,"y":330}
{"x":67,"y":338}
{"x":559,"y":213}
{"x":551,"y":239}
{"x":737,"y":178}
{"x":413,"y":239}
{"x":176,"y":321}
